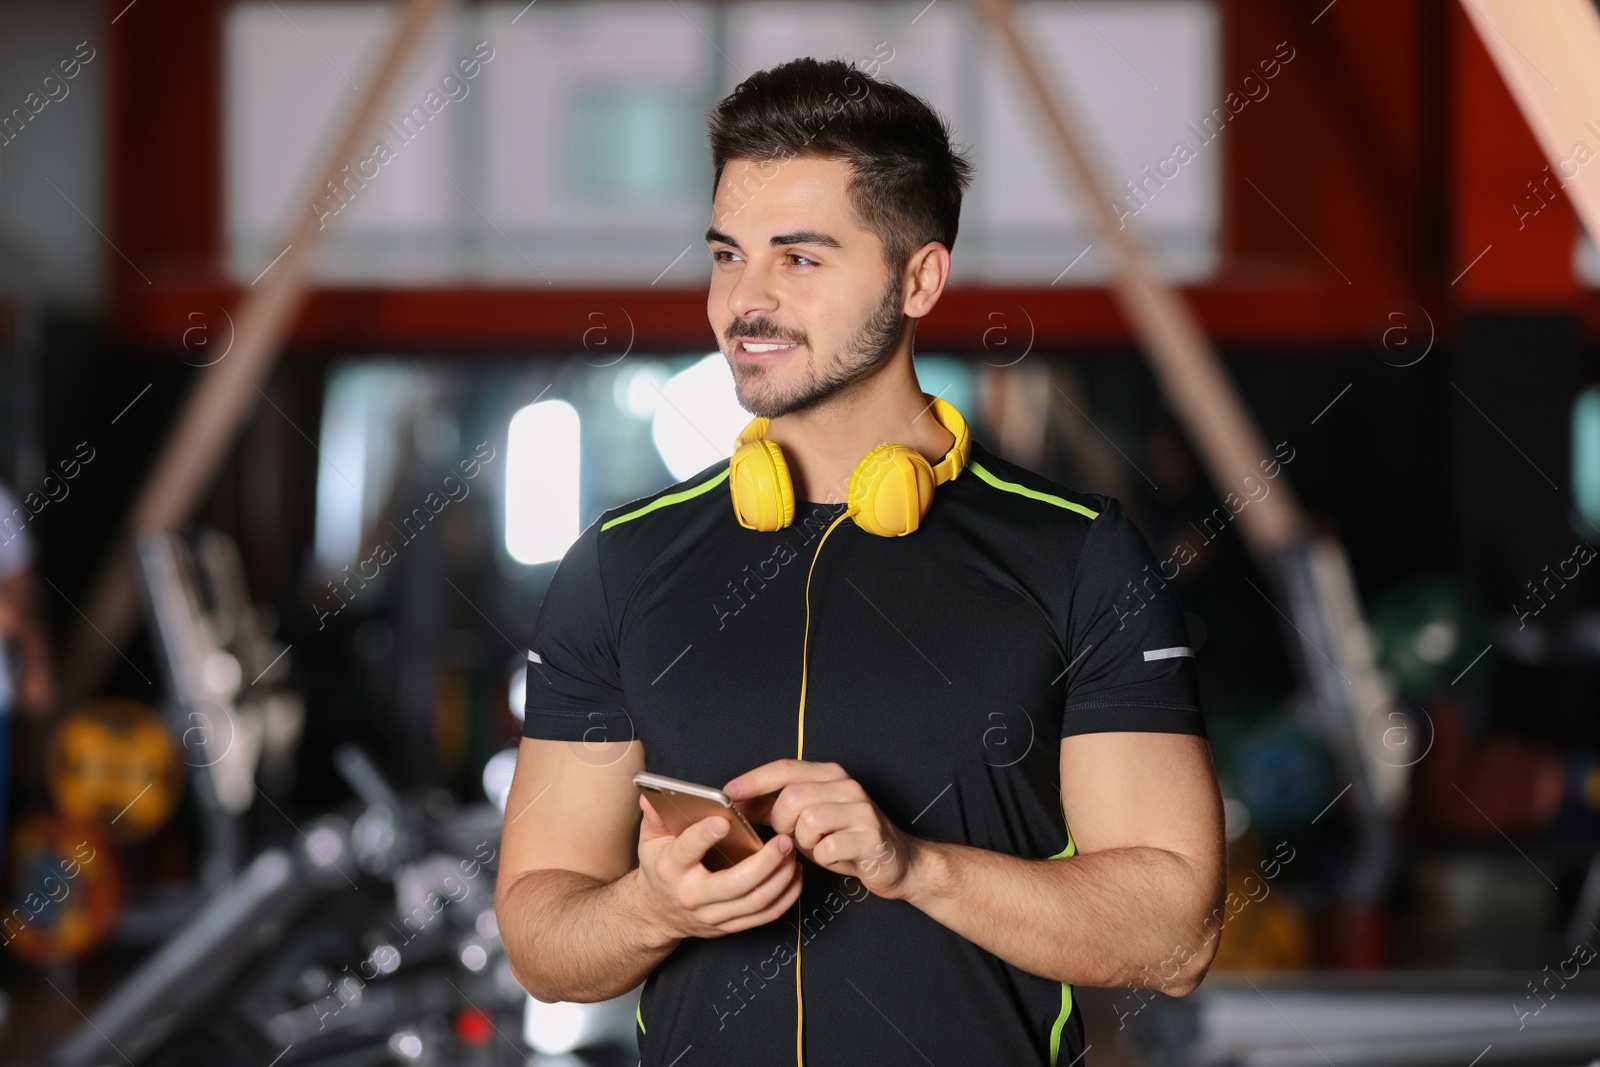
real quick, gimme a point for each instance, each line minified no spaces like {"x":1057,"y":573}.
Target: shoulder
{"x":667,"y":509}
{"x":1092,"y":532}
{"x":1003,"y":484}
{"x":624,"y":540}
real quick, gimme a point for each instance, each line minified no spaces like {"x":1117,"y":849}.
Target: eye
{"x":717,"y":254}
{"x":807,"y":260}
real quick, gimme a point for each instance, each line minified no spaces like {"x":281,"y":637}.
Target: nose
{"x":752,"y":292}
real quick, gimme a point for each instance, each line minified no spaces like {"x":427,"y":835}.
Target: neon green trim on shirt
{"x":1066,"y":990}
{"x":1012,"y":487}
{"x":1061,"y":1022}
{"x":636,"y":1015}
{"x":670,"y":498}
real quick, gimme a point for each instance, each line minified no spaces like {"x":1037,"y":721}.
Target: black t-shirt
{"x":944,"y":667}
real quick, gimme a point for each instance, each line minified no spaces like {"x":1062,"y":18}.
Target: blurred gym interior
{"x":290,"y":457}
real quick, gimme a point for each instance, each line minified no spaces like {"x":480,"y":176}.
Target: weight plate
{"x":114,"y":762}
{"x":65,"y":892}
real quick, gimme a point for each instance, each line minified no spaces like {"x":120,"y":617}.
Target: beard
{"x":761,"y":393}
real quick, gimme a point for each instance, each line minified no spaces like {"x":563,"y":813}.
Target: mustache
{"x":762,"y":328}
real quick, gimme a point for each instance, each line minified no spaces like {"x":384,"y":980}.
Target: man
{"x":1014,"y":667}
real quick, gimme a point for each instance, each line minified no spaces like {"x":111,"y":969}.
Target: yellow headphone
{"x":890,"y":491}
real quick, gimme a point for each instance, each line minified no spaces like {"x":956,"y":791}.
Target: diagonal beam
{"x":1332,"y":645}
{"x":1190,"y":373}
{"x":1549,"y":55}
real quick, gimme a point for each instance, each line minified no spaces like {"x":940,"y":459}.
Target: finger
{"x":652,"y":827}
{"x":771,"y":777}
{"x":796,"y":798}
{"x":754,"y":901}
{"x":743,"y":876}
{"x":776,"y":885}
{"x":857,"y":847}
{"x":776,"y":910}
{"x":690,"y":847}
{"x":651,"y":818}
{"x":816,"y":821}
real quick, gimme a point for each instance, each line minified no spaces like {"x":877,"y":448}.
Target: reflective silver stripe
{"x":533,"y":657}
{"x":1167,"y":653}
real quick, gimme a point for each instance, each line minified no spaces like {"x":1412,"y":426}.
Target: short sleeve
{"x":1133,"y":663}
{"x":574,"y":690}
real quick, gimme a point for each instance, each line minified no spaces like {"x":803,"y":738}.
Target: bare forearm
{"x":572,"y":937}
{"x":1107,"y":918}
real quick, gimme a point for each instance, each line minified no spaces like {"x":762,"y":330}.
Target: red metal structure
{"x":1404,"y":186}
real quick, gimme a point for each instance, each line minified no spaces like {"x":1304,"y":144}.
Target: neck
{"x":823,"y":444}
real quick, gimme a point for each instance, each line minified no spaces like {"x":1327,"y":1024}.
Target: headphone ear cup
{"x":763,"y":496}
{"x":891,"y":490}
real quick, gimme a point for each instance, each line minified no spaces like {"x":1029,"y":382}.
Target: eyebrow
{"x":800,"y":237}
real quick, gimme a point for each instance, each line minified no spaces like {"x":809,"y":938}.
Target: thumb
{"x":651,"y":826}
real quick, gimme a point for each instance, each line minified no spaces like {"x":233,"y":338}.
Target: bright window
{"x":542,"y":468}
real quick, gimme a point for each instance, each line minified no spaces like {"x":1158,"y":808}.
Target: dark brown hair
{"x":906,"y":177}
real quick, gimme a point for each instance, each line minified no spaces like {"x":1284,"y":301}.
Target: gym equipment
{"x":114,"y":763}
{"x":1394,"y":1019}
{"x":202,"y":679}
{"x":1263,"y":928}
{"x":1426,"y":632}
{"x":369,"y":936}
{"x":245,"y":630}
{"x":1279,"y":767}
{"x":65,"y":893}
{"x":334,"y":949}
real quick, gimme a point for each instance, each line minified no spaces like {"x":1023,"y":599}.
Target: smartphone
{"x":682,"y":804}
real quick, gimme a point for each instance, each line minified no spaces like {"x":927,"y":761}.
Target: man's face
{"x":792,"y":268}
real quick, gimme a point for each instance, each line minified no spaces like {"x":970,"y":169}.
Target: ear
{"x":925,"y":275}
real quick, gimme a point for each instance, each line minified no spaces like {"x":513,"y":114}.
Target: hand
{"x":685,"y":899}
{"x":834,"y":823}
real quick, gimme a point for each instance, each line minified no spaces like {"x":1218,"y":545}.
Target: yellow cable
{"x":800,"y":751}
